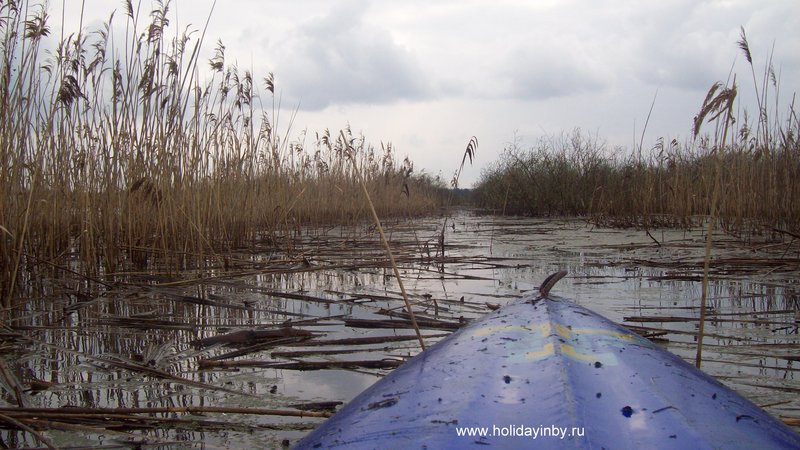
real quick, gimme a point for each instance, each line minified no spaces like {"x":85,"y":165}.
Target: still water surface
{"x":113,"y":348}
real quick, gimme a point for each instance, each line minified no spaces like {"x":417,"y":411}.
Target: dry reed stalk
{"x":41,"y":438}
{"x":366,"y":340}
{"x":720,"y":106}
{"x":205,"y":364}
{"x":77,"y":412}
{"x":118,"y":152}
{"x":469,"y":152}
{"x":385,"y":242}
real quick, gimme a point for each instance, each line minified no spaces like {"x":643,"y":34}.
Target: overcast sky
{"x":427,"y":75}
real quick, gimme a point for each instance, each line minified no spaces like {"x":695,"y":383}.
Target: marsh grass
{"x":672,"y":183}
{"x":574,"y":174}
{"x":119,"y":149}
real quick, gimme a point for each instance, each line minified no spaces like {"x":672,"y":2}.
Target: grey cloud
{"x":341,"y":58}
{"x":687,"y":59}
{"x":694,"y":46}
{"x":550,"y":71}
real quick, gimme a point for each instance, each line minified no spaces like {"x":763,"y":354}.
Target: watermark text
{"x":522,"y":431}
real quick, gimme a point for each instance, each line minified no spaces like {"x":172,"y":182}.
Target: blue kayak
{"x":547,"y":373}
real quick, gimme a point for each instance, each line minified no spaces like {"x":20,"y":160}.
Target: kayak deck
{"x":548,"y":373}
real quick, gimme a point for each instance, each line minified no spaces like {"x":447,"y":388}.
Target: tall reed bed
{"x":118,"y":147}
{"x":672,"y":184}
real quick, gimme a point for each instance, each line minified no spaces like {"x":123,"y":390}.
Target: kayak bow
{"x":547,"y":373}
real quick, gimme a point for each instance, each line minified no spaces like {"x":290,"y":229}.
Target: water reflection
{"x":133,"y":344}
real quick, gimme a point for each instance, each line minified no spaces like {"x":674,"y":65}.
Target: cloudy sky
{"x":427,"y":75}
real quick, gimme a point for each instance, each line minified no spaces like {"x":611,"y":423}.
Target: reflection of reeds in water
{"x":118,"y":151}
{"x":670,"y":185}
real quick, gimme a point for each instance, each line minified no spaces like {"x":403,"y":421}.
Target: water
{"x":131,"y":345}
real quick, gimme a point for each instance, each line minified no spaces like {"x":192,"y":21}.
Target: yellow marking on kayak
{"x":563,"y":331}
{"x":604,"y":332}
{"x":578,"y":346}
{"x":546,"y":351}
{"x":485,"y":331}
{"x":570,"y":352}
{"x":544,"y":328}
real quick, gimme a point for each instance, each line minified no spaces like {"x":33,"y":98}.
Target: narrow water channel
{"x":154,"y":340}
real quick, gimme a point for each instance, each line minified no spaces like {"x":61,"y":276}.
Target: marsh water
{"x":168,"y":341}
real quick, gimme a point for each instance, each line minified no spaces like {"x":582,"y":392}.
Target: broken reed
{"x":119,"y":148}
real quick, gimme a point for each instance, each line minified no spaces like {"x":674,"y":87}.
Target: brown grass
{"x":672,"y":184}
{"x":122,"y":153}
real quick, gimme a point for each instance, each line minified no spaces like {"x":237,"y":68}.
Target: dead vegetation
{"x":173,"y":358}
{"x":167,"y":251}
{"x":672,"y":183}
{"x":176,"y":338}
{"x":120,"y":154}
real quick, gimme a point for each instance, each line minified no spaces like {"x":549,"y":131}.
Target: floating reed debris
{"x":25,"y":427}
{"x":398,"y":324}
{"x":317,"y":352}
{"x":301,"y":410}
{"x":644,"y":331}
{"x":134,"y":367}
{"x":678,"y":319}
{"x":655,"y":336}
{"x":206,"y":364}
{"x":123,"y":419}
{"x":367,"y":340}
{"x":251,"y":337}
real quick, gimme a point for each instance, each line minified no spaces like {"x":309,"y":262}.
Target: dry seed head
{"x":129,"y":9}
{"x":745,"y":46}
{"x":69,"y":91}
{"x":269,"y":81}
{"x":36,"y":27}
{"x":714,"y":105}
{"x":772,"y":76}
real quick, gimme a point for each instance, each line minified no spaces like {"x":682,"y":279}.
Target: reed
{"x":672,"y":183}
{"x":125,"y":151}
{"x":718,"y":106}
